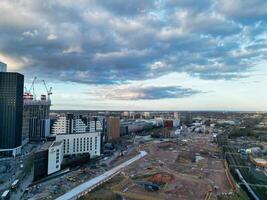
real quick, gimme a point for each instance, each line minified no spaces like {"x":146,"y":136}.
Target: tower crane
{"x":28,"y":91}
{"x":32,"y":88}
{"x":49,"y":92}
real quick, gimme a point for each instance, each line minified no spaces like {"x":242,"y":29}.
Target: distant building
{"x":168,"y":123}
{"x":146,"y":115}
{"x":113,"y":128}
{"x":3,"y":67}
{"x":94,"y":124}
{"x":126,"y":114}
{"x":60,"y":126}
{"x":11,"y":108}
{"x":176,"y":119}
{"x":80,"y":143}
{"x":70,"y":123}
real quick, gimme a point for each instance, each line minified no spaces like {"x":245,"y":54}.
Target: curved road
{"x":86,"y":187}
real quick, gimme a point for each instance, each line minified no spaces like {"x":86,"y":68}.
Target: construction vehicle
{"x":149,"y":186}
{"x":5,"y":195}
{"x":71,"y":179}
{"x":152,"y":187}
{"x":208,"y":195}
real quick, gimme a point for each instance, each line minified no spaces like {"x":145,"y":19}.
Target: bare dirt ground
{"x":184,"y":169}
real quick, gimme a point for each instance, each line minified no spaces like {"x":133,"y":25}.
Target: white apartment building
{"x":78,"y":126}
{"x":60,"y":126}
{"x":80,"y":143}
{"x":95,"y":126}
{"x":64,"y":125}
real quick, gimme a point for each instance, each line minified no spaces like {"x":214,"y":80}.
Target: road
{"x":91,"y":184}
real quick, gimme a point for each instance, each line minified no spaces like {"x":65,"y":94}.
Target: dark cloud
{"x":107,"y":42}
{"x":144,"y":93}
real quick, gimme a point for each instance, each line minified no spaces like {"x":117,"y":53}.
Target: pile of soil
{"x":161,"y":178}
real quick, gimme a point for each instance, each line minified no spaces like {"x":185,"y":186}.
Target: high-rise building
{"x":146,"y":115}
{"x":35,"y":118}
{"x":11,"y":109}
{"x":113,"y":128}
{"x":2,"y":67}
{"x":176,"y":120}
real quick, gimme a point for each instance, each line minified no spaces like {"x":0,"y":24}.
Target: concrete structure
{"x":69,"y":123}
{"x":113,"y":128}
{"x":3,"y":67}
{"x":48,"y":159}
{"x":80,"y":143}
{"x":45,"y":127}
{"x":94,"y":124}
{"x":176,"y":120}
{"x":55,"y":157}
{"x":88,"y":186}
{"x":36,"y":123}
{"x":11,"y":108}
{"x":60,"y":126}
{"x":146,"y":115}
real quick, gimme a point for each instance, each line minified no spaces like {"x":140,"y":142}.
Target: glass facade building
{"x":11,"y":109}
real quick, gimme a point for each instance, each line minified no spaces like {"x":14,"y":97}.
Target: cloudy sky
{"x":137,"y":54}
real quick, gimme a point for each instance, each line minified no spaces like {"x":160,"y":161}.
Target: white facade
{"x":176,"y":123}
{"x":55,"y":157}
{"x":147,"y":115}
{"x":60,"y":126}
{"x":64,"y":125}
{"x":94,"y":126}
{"x":176,"y":120}
{"x":78,"y":126}
{"x":81,"y":143}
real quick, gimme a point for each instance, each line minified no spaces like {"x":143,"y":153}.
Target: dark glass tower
{"x":11,"y":108}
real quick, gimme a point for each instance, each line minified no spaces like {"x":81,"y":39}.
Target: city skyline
{"x":143,"y":55}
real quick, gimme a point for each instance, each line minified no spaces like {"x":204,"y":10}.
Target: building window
{"x":77,"y":145}
{"x":91,"y":144}
{"x":57,"y":166}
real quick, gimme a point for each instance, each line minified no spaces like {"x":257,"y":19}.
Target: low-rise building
{"x":55,"y":157}
{"x":48,"y":159}
{"x":80,"y":143}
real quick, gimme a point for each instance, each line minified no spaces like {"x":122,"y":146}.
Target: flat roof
{"x":46,"y":145}
{"x":56,"y":143}
{"x":78,"y":133}
{"x":260,"y":160}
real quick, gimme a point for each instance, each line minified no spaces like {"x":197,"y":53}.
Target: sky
{"x":140,"y":55}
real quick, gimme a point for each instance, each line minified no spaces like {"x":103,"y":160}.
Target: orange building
{"x":113,"y":128}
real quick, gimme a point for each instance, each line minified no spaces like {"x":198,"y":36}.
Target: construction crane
{"x":49,"y":92}
{"x":28,"y":91}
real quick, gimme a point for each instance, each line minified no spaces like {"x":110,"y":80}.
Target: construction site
{"x":184,"y":168}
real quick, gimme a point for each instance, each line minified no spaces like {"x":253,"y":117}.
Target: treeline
{"x":241,"y":132}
